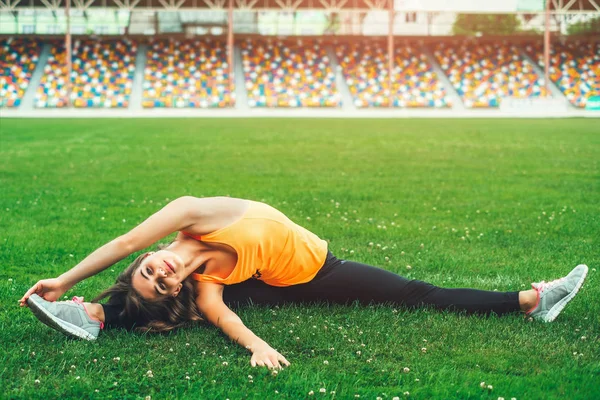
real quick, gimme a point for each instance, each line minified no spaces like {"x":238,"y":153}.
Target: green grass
{"x":527,"y":192}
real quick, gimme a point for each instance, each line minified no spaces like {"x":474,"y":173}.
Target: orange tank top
{"x":269,"y":247}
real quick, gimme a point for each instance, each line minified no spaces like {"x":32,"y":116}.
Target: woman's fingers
{"x":283,"y":360}
{"x":35,"y":288}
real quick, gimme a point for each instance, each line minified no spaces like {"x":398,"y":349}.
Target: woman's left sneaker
{"x":68,"y":317}
{"x":554,"y":296}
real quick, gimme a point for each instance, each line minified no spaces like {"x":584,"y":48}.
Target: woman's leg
{"x":347,"y":281}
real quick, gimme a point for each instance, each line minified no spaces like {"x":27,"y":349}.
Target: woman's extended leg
{"x":347,"y":281}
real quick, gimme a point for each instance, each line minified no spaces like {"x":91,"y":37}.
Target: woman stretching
{"x":239,"y":251}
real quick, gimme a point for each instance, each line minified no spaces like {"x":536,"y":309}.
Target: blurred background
{"x":344,"y":55}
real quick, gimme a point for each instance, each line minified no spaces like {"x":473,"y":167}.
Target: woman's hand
{"x":49,"y":289}
{"x":266,"y":356}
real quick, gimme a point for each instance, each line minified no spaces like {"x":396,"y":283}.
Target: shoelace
{"x":543,"y":285}
{"x":79,"y":300}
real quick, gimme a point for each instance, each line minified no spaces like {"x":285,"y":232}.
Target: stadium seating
{"x":414,"y":82}
{"x":102,"y":75}
{"x":295,"y":73}
{"x":18,"y":58}
{"x":484,"y":73}
{"x":574,"y":67}
{"x":187,"y":73}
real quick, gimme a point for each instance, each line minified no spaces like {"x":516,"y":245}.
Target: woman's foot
{"x":553,"y":296}
{"x":69,"y":317}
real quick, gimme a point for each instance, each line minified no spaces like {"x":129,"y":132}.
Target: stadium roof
{"x":469,"y":6}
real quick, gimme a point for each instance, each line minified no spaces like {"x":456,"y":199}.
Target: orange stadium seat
{"x":294,"y":73}
{"x":484,"y":73}
{"x":414,"y":83}
{"x":18,"y":58}
{"x":187,"y":73}
{"x":102,"y":75}
{"x":574,"y":67}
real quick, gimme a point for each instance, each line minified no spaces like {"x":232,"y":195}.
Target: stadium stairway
{"x":241,"y":95}
{"x":340,"y":82}
{"x":554,"y":90}
{"x":36,"y":77}
{"x":457,"y":103}
{"x":137,"y":89}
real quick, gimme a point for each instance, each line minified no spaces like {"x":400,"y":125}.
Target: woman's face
{"x":159,"y":275}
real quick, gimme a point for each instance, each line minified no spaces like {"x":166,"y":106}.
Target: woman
{"x":236,"y":251}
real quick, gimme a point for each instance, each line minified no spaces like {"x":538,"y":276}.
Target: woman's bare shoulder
{"x":213,"y":213}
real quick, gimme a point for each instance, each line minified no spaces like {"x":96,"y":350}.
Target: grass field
{"x":490,"y":204}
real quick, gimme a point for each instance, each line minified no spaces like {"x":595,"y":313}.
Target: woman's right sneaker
{"x":554,"y":296}
{"x":68,"y":317}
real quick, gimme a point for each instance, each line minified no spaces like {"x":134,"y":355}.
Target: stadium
{"x":449,"y":142}
{"x":334,"y":58}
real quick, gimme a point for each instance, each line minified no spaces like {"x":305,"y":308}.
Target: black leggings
{"x":344,"y":282}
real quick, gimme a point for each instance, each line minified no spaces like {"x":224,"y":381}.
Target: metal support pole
{"x":547,"y":48}
{"x":230,"y":51}
{"x":68,"y":52}
{"x":390,"y":50}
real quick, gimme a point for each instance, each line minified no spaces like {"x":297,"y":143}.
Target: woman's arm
{"x":177,"y":215}
{"x":210,"y":303}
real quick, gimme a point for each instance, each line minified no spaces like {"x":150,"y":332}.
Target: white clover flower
{"x":187,"y":377}
{"x":490,"y":387}
{"x":423,"y":349}
{"x":406,"y":393}
{"x":500,"y":398}
{"x":406,"y":370}
{"x":482,"y":385}
{"x":322,"y":390}
{"x":73,"y":367}
{"x":326,"y":362}
{"x":37,"y":381}
{"x":311,"y":393}
{"x":225,"y":363}
{"x":117,"y":359}
{"x":395,"y":398}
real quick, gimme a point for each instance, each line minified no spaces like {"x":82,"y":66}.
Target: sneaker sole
{"x":55,"y":323}
{"x":558,"y":307}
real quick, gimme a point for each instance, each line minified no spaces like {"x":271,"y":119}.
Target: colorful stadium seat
{"x":294,"y":73}
{"x":484,"y":73}
{"x":414,"y":83}
{"x":187,"y":73}
{"x":102,"y":75}
{"x":574,"y":67}
{"x":18,"y":58}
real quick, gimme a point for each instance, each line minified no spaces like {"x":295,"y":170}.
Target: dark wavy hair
{"x":139,"y":314}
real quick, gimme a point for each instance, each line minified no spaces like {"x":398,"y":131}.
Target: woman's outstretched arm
{"x":177,"y":215}
{"x":210,"y":303}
